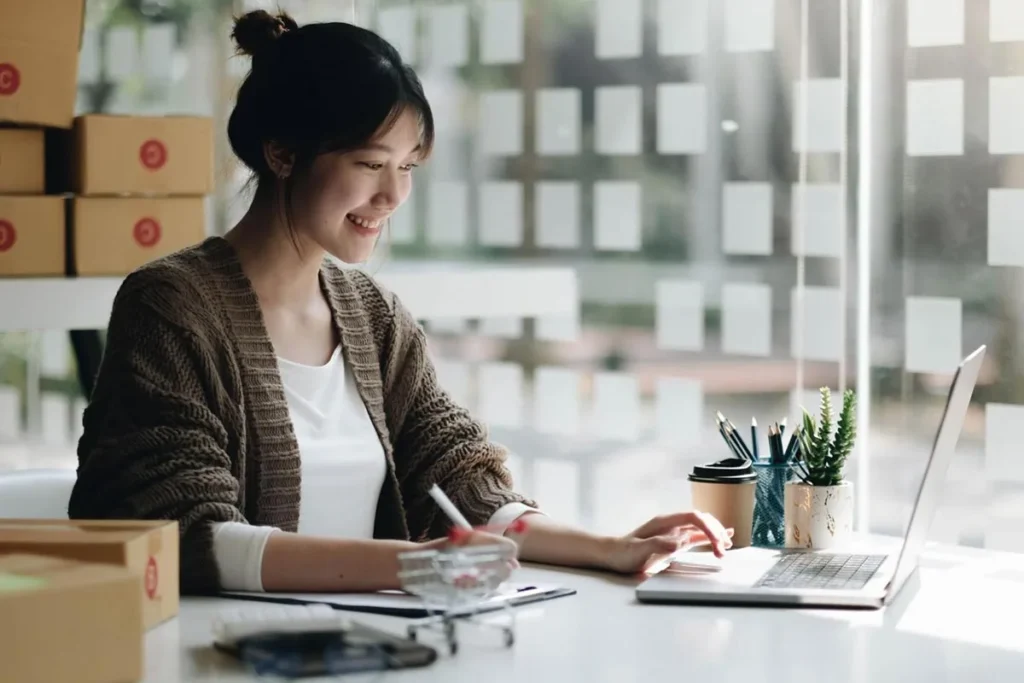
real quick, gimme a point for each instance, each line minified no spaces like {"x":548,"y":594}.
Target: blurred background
{"x":756,"y":198}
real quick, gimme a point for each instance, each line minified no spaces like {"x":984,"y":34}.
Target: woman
{"x":282,"y":410}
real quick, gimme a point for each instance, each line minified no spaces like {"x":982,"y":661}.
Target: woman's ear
{"x":279,"y":159}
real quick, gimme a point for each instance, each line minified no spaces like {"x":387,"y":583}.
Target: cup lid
{"x":731,"y":471}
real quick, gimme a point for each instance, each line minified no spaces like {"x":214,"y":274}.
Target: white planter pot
{"x":818,"y":516}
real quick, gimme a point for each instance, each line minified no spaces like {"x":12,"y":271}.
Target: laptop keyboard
{"x":821,"y":570}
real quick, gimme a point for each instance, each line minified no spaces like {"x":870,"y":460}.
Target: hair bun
{"x":256,"y":32}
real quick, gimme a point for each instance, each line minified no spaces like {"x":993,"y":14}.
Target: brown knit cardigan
{"x":188,"y":419}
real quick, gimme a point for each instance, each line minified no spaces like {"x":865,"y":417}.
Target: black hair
{"x":315,"y":89}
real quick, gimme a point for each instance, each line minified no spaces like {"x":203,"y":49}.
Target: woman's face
{"x":344,"y":201}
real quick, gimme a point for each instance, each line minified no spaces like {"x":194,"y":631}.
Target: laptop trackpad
{"x":742,"y":567}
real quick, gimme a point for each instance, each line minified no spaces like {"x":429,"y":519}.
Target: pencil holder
{"x":769,"y":504}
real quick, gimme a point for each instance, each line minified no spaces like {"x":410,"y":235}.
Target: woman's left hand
{"x":662,"y":536}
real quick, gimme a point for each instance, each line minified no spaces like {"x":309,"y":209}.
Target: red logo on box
{"x":10,"y":79}
{"x":8,"y":236}
{"x":146,"y":232}
{"x":152,"y":578}
{"x":153,"y":154}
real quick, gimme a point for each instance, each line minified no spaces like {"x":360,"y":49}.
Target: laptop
{"x":866,"y":575}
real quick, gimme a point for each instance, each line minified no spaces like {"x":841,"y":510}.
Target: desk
{"x":957,"y":620}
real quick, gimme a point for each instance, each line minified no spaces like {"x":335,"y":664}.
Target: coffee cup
{"x":725,"y":489}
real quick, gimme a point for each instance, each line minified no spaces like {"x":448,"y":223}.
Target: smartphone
{"x":329,"y":653}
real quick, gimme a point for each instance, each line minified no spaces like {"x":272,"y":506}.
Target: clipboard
{"x":404,"y":605}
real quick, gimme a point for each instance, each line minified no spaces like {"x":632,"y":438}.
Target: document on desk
{"x":401,"y":604}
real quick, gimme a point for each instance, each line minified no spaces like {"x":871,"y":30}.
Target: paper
{"x":397,"y":25}
{"x":455,"y":378}
{"x":935,"y":22}
{"x":449,"y":35}
{"x":682,"y":118}
{"x":1006,"y":21}
{"x":822,"y":311}
{"x":818,"y":103}
{"x":501,"y":33}
{"x":402,"y":224}
{"x":1005,"y":103}
{"x":556,"y":403}
{"x":679,"y":315}
{"x":501,"y":214}
{"x":618,"y":119}
{"x":122,"y":53}
{"x":619,"y":29}
{"x":557,"y":219}
{"x":933,"y":335}
{"x":616,"y":406}
{"x":501,"y":122}
{"x":158,"y":50}
{"x":935,"y":117}
{"x":679,"y":411}
{"x":1005,"y":227}
{"x":747,"y":319}
{"x":400,"y":603}
{"x":749,"y":25}
{"x":747,"y":218}
{"x":500,"y":387}
{"x":502,"y":328}
{"x":682,"y":27}
{"x":817,"y":210}
{"x":10,"y":413}
{"x":558,"y":121}
{"x":617,"y":220}
{"x":1003,"y":461}
{"x":448,"y":223}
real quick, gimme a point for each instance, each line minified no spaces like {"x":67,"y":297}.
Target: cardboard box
{"x":143,"y":155}
{"x":116,"y":235}
{"x":22,"y":155}
{"x":147,"y":548}
{"x":32,"y":238}
{"x":39,"y":44}
{"x":66,"y":621}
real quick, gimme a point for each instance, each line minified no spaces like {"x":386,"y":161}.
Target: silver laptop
{"x":868,"y":575}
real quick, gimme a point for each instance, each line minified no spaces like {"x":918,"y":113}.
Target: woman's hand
{"x":478,"y":538}
{"x":662,"y":536}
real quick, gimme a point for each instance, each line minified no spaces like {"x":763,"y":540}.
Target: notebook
{"x":401,"y":604}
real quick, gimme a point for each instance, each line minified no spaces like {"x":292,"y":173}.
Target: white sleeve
{"x":238,"y":551}
{"x":505,"y":515}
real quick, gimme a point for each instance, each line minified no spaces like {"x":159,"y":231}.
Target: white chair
{"x":36,"y":494}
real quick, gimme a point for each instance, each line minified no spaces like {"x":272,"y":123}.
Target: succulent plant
{"x":822,"y":455}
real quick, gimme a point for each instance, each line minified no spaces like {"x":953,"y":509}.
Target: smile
{"x":367,"y":223}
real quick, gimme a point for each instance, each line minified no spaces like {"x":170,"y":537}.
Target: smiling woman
{"x":284,"y":411}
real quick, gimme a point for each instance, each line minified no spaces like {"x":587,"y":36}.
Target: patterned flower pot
{"x":818,"y":516}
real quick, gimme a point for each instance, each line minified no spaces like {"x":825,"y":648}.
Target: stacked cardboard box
{"x":39,"y":44}
{"x":65,"y":620}
{"x":140,"y":183}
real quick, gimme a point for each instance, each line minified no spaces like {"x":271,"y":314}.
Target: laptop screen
{"x":930,"y":491}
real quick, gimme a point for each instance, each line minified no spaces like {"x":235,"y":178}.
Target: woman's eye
{"x":408,"y":167}
{"x":372,"y":165}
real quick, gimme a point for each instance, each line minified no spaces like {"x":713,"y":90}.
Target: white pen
{"x":449,"y":508}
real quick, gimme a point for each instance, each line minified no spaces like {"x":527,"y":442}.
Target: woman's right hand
{"x":477,"y":538}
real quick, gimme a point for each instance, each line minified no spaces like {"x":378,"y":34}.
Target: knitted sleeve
{"x":153,"y":446}
{"x":435,"y":439}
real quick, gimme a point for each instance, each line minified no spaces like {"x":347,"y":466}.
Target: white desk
{"x":959,"y":620}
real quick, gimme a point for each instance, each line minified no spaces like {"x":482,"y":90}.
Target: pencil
{"x":753,"y":437}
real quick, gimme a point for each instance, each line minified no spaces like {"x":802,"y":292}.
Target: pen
{"x":449,"y":508}
{"x":753,"y":437}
